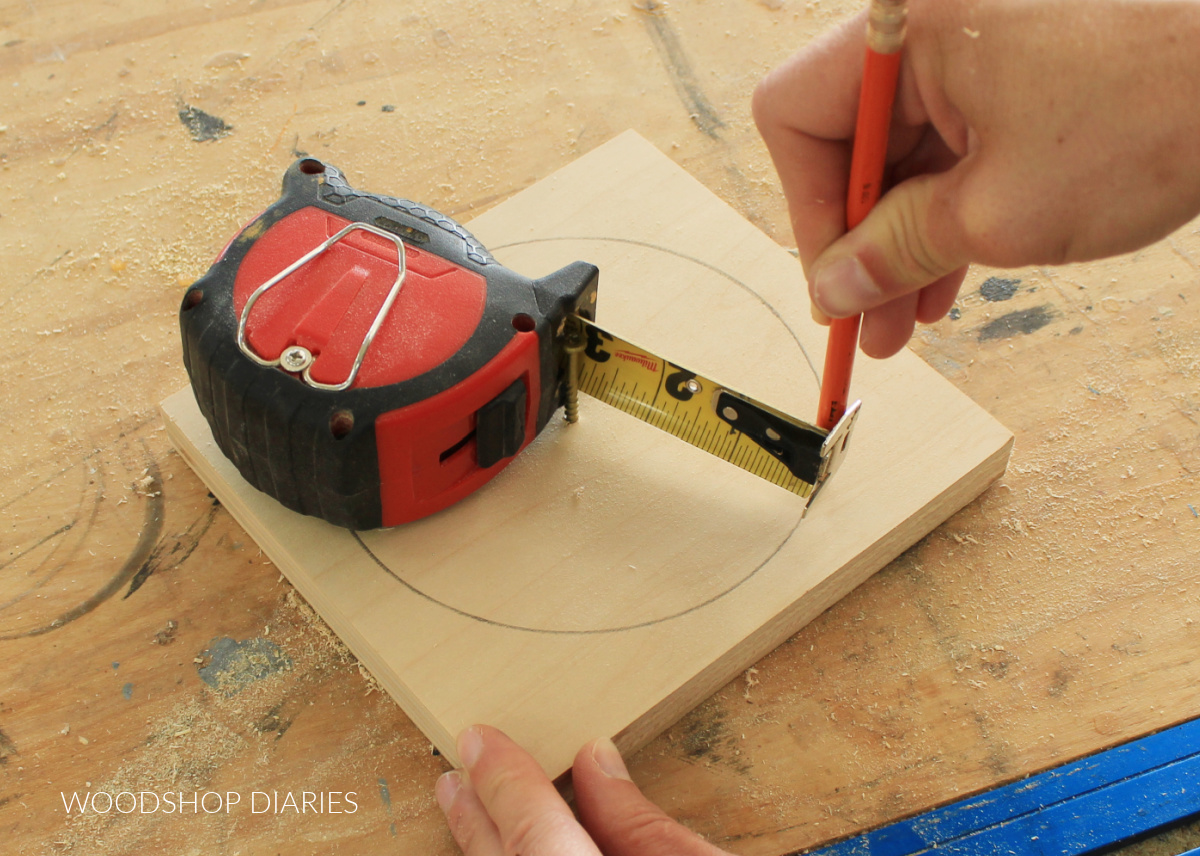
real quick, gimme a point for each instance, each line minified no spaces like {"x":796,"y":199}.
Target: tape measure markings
{"x":678,"y":401}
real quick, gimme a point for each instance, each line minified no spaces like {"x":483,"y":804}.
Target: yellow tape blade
{"x":773,"y":446}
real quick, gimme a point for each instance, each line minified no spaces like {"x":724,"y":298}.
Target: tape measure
{"x":364,"y":359}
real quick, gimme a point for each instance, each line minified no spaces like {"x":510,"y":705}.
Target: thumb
{"x":908,"y":241}
{"x":618,"y":817}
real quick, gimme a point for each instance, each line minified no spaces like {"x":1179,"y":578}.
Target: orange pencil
{"x":881,"y":68}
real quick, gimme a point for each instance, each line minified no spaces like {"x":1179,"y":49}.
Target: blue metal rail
{"x":1094,"y":803}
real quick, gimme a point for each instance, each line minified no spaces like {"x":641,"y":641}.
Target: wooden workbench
{"x":147,"y":645}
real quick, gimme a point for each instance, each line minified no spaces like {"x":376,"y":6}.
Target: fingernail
{"x":470,"y":746}
{"x":608,"y":759}
{"x":447,"y":789}
{"x":845,"y":288}
{"x":819,"y":316}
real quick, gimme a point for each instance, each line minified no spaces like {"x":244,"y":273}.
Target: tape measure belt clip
{"x":462,"y":364}
{"x":297,"y":358}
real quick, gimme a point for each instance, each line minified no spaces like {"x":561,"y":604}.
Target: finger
{"x":468,"y":820}
{"x":929,"y":153}
{"x":911,"y":239}
{"x":619,"y":818}
{"x":530,"y":816}
{"x":805,"y":111}
{"x":887,"y":328}
{"x":937,"y":299}
{"x":813,"y":174}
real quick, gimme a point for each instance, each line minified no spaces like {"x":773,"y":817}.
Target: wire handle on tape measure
{"x":298,"y":358}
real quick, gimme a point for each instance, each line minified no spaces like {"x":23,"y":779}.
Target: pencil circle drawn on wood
{"x":680,"y":548}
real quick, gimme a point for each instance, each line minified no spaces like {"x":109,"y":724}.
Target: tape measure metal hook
{"x":298,"y":358}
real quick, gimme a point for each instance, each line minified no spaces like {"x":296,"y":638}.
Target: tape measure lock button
{"x":434,"y":452}
{"x":500,"y":426}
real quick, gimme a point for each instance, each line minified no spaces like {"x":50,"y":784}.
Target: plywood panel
{"x":613,"y":577}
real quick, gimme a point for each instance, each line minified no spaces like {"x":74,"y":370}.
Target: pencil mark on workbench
{"x":80,"y":462}
{"x":109,"y":125}
{"x":1052,"y":278}
{"x":385,"y":796}
{"x":1023,"y":322}
{"x":679,"y":68}
{"x":1061,"y":681}
{"x":7,"y":748}
{"x":41,"y":579}
{"x":152,"y":523}
{"x":707,"y":739}
{"x":89,"y":497}
{"x":203,"y":127}
{"x":33,"y":278}
{"x":298,"y":152}
{"x":15,"y":557}
{"x":230,"y":666}
{"x":176,"y":550}
{"x":1130,"y":648}
{"x":272,"y":723}
{"x":337,"y":8}
{"x":960,"y":657}
{"x":996,"y":759}
{"x":996,"y":289}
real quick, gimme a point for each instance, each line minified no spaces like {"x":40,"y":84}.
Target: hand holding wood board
{"x":613,"y":576}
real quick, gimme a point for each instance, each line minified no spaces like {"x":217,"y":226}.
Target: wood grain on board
{"x":613,"y":577}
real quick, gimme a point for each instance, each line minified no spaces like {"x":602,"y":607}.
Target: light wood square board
{"x":613,"y":577}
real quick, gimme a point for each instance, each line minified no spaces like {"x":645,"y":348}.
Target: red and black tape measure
{"x":364,"y":359}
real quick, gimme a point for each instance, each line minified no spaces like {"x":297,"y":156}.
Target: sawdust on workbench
{"x":1010,"y":634}
{"x":190,"y":747}
{"x":151,"y":242}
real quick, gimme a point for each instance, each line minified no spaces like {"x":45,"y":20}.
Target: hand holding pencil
{"x":881,"y":71}
{"x":987,"y":165}
{"x":1011,"y":145}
